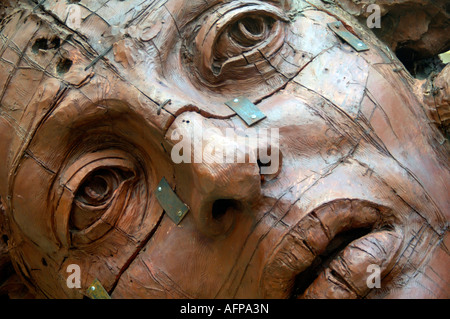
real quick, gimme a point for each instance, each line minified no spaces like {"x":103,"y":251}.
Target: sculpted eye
{"x":237,"y":42}
{"x":242,"y":36}
{"x":251,"y":30}
{"x":95,"y":195}
{"x":98,"y":187}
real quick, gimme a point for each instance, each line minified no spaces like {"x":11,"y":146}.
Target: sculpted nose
{"x":217,"y":176}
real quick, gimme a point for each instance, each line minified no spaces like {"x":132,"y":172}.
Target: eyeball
{"x":230,"y":42}
{"x":250,"y":32}
{"x":95,"y":195}
{"x":95,"y":190}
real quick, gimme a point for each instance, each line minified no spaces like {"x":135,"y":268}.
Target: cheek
{"x":5,"y":157}
{"x":311,"y":140}
{"x":38,"y":253}
{"x":176,"y":262}
{"x":74,"y":142}
{"x":32,"y":212}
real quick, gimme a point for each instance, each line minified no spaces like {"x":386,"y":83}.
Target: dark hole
{"x":46,"y":44}
{"x":407,"y":57}
{"x":339,"y":242}
{"x":39,"y":44}
{"x":55,"y":43}
{"x":44,"y":262}
{"x":5,"y":239}
{"x":96,"y":187}
{"x":254,"y":26}
{"x":425,"y":67}
{"x":63,"y":66}
{"x":6,"y":271}
{"x":221,"y":206}
{"x":215,"y":68}
{"x":419,"y":66}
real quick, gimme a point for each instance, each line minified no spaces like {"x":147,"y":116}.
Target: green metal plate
{"x":246,"y":110}
{"x":170,"y":202}
{"x":96,"y":291}
{"x":347,"y":36}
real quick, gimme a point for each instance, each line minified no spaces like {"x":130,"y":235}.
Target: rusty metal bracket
{"x":347,"y":36}
{"x":170,"y":202}
{"x":246,"y":110}
{"x":96,"y":291}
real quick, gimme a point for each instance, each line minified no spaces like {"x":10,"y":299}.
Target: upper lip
{"x":296,"y":251}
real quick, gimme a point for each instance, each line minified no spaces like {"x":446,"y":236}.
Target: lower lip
{"x":298,"y":250}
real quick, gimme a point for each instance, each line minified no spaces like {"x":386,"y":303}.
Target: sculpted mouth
{"x":328,"y":252}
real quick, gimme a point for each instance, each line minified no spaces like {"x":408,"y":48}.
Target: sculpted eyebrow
{"x":188,"y":11}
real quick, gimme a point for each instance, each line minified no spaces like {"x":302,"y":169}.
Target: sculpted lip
{"x":310,"y":240}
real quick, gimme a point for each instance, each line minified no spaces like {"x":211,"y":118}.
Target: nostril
{"x":221,"y":206}
{"x":221,"y":216}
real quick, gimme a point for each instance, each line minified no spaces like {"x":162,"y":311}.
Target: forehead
{"x":124,"y":13}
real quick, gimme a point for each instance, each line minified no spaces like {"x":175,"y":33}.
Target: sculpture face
{"x":361,"y":180}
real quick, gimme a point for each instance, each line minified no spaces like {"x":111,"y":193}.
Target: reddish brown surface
{"x":419,"y":26}
{"x":363,"y":179}
{"x":436,"y":98}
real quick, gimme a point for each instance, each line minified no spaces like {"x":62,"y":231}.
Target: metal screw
{"x":180,"y":213}
{"x":360,"y":44}
{"x":236,"y":100}
{"x":253,"y":116}
{"x":92,"y":288}
{"x":159,"y":188}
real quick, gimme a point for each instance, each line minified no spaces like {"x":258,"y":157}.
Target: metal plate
{"x":96,"y":291}
{"x":170,"y":202}
{"x":348,"y":37}
{"x":246,"y":110}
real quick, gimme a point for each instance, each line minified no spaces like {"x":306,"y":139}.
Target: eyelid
{"x":73,"y":177}
{"x":210,"y":33}
{"x":75,"y":174}
{"x":194,"y":11}
{"x":231,"y":13}
{"x":105,"y":222}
